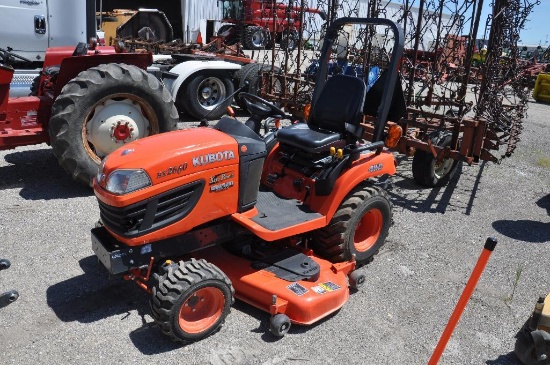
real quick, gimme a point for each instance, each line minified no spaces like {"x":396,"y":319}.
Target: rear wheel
{"x":102,"y":109}
{"x":191,"y":300}
{"x":425,"y":168}
{"x":205,"y":92}
{"x":358,"y":228}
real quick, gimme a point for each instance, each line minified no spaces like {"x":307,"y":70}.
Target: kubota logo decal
{"x":213,"y":157}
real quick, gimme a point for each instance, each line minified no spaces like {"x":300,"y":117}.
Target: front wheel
{"x":191,"y":300}
{"x":104,"y":108}
{"x":358,"y":228}
{"x":425,"y":168}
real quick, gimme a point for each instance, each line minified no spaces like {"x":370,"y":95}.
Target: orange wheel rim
{"x":201,"y":310}
{"x":368,"y":230}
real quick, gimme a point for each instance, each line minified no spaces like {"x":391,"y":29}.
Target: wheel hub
{"x":201,"y":310}
{"x":211,"y":92}
{"x":206,"y":92}
{"x":441,"y":169}
{"x":368,"y":230}
{"x":114,"y":123}
{"x":122,"y":131}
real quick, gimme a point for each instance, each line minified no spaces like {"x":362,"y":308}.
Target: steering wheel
{"x":261,"y":108}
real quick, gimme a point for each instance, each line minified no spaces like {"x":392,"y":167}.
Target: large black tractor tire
{"x":206,"y":92}
{"x":426,"y":171}
{"x":289,"y":40}
{"x":255,"y":38}
{"x":104,"y":108}
{"x":192,"y":300}
{"x":359,"y":227}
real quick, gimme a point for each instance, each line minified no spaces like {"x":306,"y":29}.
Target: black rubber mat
{"x":276,"y":213}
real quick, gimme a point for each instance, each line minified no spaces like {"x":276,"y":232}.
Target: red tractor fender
{"x":72,"y":66}
{"x":366,"y":167}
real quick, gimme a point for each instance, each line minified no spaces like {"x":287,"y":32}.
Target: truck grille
{"x":151,"y":214}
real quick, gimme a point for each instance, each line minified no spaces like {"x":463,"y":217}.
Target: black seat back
{"x":398,"y":106}
{"x":339,"y":107}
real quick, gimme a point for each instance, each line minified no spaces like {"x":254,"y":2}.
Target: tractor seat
{"x":334,"y":120}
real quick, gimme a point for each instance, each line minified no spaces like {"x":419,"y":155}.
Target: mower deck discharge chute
{"x":283,"y":222}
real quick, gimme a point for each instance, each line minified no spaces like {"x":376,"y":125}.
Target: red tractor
{"x":257,"y":23}
{"x":283,"y":222}
{"x":86,"y":103}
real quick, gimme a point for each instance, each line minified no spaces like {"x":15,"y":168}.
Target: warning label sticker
{"x":318,"y":290}
{"x":297,"y":289}
{"x":325,"y":287}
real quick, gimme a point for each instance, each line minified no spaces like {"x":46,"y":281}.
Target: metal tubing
{"x":464,"y":298}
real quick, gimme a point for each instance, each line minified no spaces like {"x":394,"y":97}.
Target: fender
{"x":188,"y":68}
{"x":366,"y":167}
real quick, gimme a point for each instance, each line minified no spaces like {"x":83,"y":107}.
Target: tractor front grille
{"x":152,"y":214}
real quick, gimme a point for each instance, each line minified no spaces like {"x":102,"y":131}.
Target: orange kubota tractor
{"x":283,"y":222}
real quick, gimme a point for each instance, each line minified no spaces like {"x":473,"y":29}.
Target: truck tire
{"x":426,"y":171}
{"x":191,"y":300}
{"x":252,"y":76}
{"x":238,"y":76}
{"x":204,"y":92}
{"x":102,"y":109}
{"x":358,"y":228}
{"x":255,"y":37}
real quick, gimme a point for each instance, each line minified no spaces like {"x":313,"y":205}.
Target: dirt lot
{"x":69,"y":311}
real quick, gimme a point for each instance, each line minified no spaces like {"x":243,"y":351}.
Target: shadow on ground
{"x":39,"y":176}
{"x":409,"y":195}
{"x":527,"y":230}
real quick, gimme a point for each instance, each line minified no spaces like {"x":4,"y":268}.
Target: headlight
{"x":125,"y":181}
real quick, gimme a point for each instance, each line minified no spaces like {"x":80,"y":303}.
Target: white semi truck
{"x":31,"y":26}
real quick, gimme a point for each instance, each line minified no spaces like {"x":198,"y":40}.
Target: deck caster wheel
{"x":357,"y":278}
{"x":280,"y":324}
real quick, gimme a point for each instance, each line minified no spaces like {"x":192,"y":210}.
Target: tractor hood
{"x":168,"y":156}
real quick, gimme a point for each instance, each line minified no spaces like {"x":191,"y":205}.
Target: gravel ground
{"x":69,"y":310}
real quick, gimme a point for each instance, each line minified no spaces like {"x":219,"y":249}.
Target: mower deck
{"x":274,"y":217}
{"x":303,"y":301}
